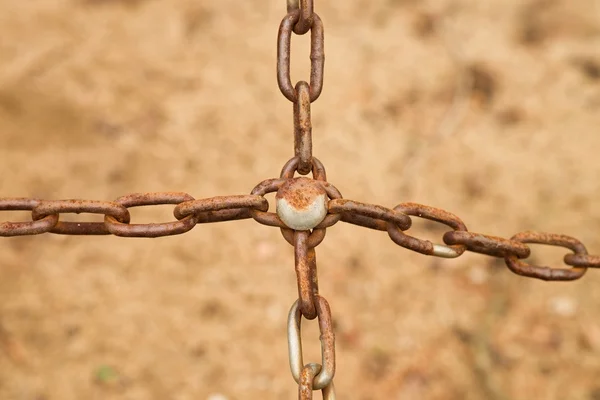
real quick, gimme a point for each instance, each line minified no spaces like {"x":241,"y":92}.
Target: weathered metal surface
{"x":56,"y":207}
{"x":301,"y":203}
{"x":343,"y":206}
{"x":305,"y":386}
{"x":303,"y":128}
{"x":485,"y":244}
{"x":323,"y":378}
{"x":153,"y":229}
{"x":521,"y":267}
{"x":306,"y":14}
{"x":425,"y":246}
{"x":317,"y":56}
{"x":42,"y":225}
{"x":306,"y":274}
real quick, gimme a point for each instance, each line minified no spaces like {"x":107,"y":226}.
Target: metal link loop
{"x":306,"y":274}
{"x":305,"y":386}
{"x":115,"y":210}
{"x":324,"y":378}
{"x":151,"y":230}
{"x":306,"y":12}
{"x":25,"y":228}
{"x":263,"y":217}
{"x":220,"y":203}
{"x":486,"y":244}
{"x":369,"y":211}
{"x":303,"y":128}
{"x":545,"y":273}
{"x":317,"y":56}
{"x":290,"y":167}
{"x":582,"y":260}
{"x":425,"y":246}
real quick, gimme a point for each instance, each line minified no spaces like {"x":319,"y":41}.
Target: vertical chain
{"x":299,"y":20}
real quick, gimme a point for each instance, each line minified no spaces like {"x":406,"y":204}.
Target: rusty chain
{"x":305,"y":208}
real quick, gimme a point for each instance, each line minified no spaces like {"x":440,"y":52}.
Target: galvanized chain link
{"x":306,"y":207}
{"x":324,"y":377}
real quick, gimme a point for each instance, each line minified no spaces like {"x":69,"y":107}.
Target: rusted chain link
{"x":425,"y":246}
{"x":306,"y":274}
{"x":548,"y":274}
{"x":317,"y":56}
{"x":323,"y":378}
{"x":303,"y":128}
{"x":306,"y":14}
{"x":305,"y":387}
{"x":42,"y":225}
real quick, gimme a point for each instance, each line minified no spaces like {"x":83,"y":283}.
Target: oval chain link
{"x":306,"y":8}
{"x":153,"y":229}
{"x":520,"y":267}
{"x":317,"y":56}
{"x":305,"y":386}
{"x":55,"y":207}
{"x":425,"y":246}
{"x":306,"y":274}
{"x":43,"y":225}
{"x":323,"y":378}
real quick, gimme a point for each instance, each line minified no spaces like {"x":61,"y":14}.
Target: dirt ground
{"x":488,"y":109}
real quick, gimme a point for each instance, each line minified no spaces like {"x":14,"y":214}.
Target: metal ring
{"x":50,"y":207}
{"x":290,"y":167}
{"x":425,"y":246}
{"x":25,"y":228}
{"x":306,"y":8}
{"x":305,"y":386}
{"x":371,"y":211}
{"x":151,"y":230}
{"x":522,"y":268}
{"x":314,"y":239}
{"x":582,"y":260}
{"x":263,"y":217}
{"x":324,"y":378}
{"x":485,"y":244}
{"x":303,"y":128}
{"x":220,"y":203}
{"x":306,"y":274}
{"x":317,"y":56}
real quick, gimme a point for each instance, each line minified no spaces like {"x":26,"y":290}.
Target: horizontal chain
{"x":45,"y":217}
{"x":45,"y":214}
{"x":514,"y":250}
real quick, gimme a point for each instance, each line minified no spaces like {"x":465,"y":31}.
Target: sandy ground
{"x":489,"y":109}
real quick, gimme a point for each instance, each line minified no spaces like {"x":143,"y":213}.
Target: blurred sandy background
{"x":489,"y":109}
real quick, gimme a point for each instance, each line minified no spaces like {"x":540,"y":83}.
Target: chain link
{"x":306,"y":274}
{"x":306,"y":14}
{"x":325,"y":376}
{"x":305,"y":386}
{"x":317,"y":56}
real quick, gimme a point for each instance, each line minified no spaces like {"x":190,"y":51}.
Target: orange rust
{"x":300,"y":192}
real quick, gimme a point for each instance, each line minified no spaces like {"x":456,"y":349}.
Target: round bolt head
{"x":301,"y":203}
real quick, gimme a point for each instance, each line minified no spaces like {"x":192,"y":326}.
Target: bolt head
{"x":301,"y":203}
